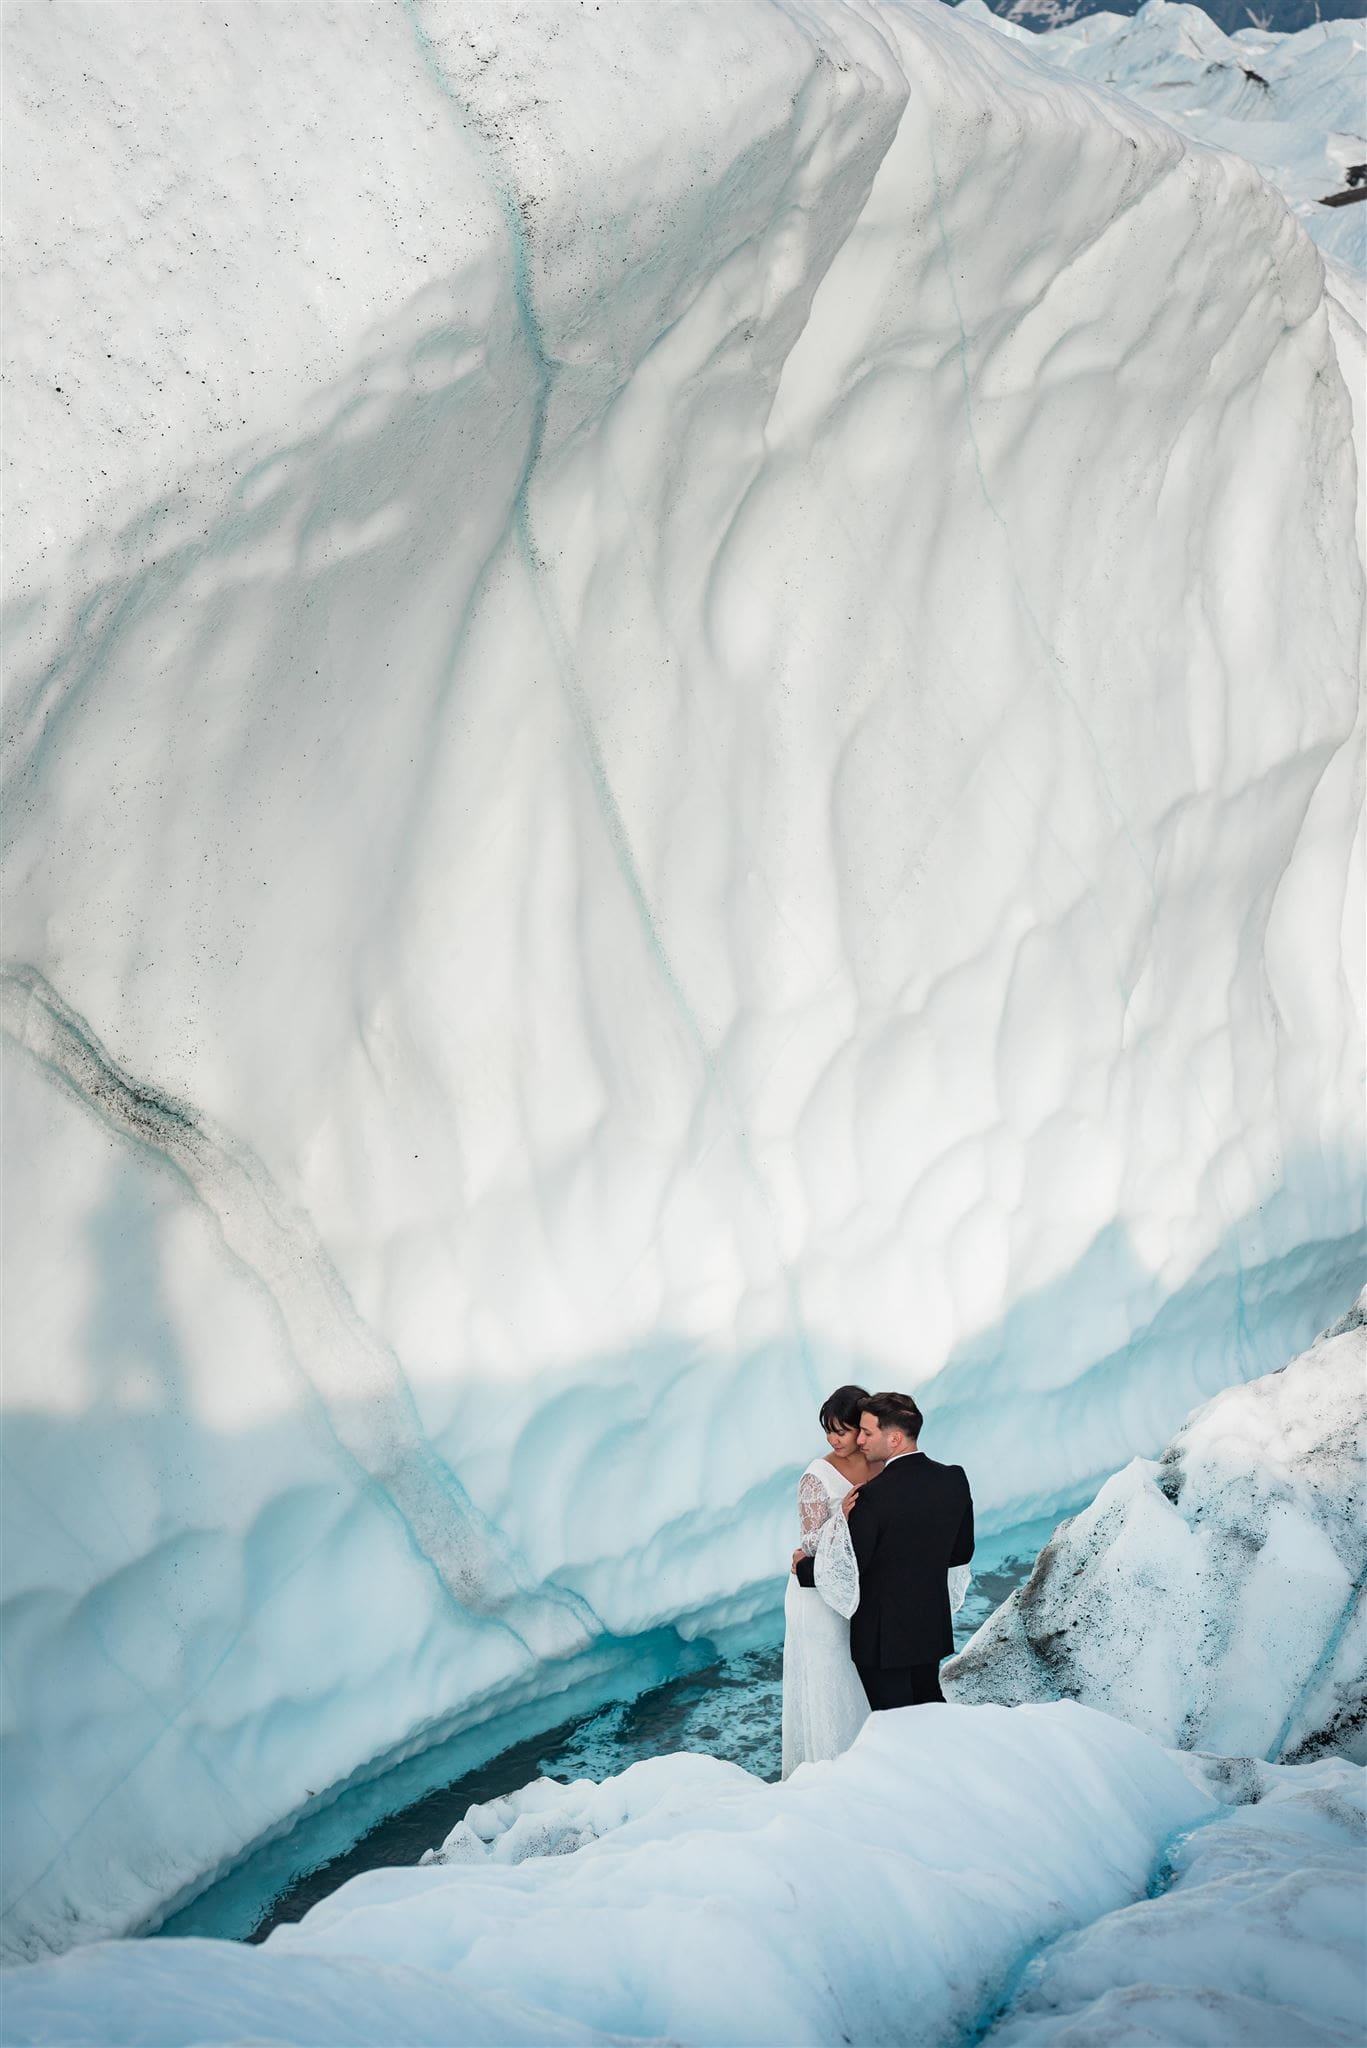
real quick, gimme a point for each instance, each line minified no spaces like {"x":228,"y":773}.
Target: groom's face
{"x":871,"y":1438}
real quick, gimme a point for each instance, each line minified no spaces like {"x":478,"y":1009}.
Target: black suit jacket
{"x":908,"y":1526}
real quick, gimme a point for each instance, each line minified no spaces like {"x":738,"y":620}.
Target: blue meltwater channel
{"x":726,"y":1702}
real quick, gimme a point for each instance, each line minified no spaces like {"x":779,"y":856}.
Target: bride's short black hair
{"x":843,"y":1408}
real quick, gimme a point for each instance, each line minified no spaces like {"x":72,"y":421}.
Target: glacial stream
{"x":725,"y":1702}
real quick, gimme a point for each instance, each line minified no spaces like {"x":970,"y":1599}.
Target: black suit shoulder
{"x":916,"y":1466}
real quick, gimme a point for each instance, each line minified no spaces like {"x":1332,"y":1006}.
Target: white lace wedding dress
{"x":824,"y":1704}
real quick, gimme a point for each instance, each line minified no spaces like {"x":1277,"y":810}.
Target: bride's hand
{"x":850,"y":1498}
{"x":798,"y":1556}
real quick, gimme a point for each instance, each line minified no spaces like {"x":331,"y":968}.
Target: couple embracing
{"x":886,"y":1537}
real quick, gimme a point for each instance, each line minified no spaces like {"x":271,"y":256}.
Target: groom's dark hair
{"x":843,"y":1408}
{"x":896,"y":1411}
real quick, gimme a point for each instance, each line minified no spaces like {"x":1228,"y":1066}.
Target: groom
{"x":908,"y":1526}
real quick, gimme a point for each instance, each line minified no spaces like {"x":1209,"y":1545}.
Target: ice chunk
{"x":549,"y":1819}
{"x":1214,"y":1598}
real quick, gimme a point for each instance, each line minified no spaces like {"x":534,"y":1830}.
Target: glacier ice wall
{"x":1214,"y":1598}
{"x":681,"y":726}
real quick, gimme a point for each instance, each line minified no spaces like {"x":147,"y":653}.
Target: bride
{"x":824,"y":1706}
{"x":824,"y":1703}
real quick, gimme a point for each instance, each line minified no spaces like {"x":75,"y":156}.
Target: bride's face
{"x":841,"y":1439}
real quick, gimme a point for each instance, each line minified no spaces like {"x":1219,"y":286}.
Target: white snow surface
{"x":681,"y":724}
{"x":688,"y":1901}
{"x":1215,"y":1597}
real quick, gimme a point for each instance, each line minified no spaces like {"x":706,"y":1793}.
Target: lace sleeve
{"x":813,"y":1509}
{"x":959,"y":1577}
{"x":836,"y":1570}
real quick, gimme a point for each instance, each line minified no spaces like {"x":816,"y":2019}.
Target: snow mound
{"x":713,"y":1909}
{"x":1259,"y":1936}
{"x":681,"y":726}
{"x":687,"y":1901}
{"x":1214,"y":1598}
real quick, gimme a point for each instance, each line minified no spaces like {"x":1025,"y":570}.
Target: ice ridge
{"x":1249,"y":1933}
{"x":1214,"y":1597}
{"x":1293,"y":104}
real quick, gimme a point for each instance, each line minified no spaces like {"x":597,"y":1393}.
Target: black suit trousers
{"x":914,"y":1685}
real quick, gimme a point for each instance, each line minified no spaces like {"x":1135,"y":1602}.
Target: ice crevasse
{"x":681,"y":726}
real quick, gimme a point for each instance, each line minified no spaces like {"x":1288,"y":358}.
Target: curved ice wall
{"x":682,"y":687}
